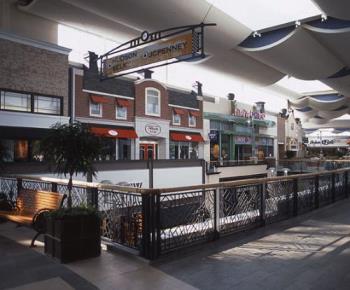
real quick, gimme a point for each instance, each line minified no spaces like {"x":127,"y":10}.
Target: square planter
{"x":72,"y":238}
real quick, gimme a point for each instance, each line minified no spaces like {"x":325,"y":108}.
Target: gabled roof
{"x":115,"y":86}
{"x":183,"y":98}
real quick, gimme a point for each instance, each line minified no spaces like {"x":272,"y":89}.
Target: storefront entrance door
{"x":148,"y":151}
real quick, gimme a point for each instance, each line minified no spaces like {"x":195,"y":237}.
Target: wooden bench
{"x":30,"y":209}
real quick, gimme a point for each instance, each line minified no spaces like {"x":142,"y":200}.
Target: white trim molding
{"x":151,"y":80}
{"x":34,"y":43}
{"x":185,"y":129}
{"x":183,"y":107}
{"x":107,"y":94}
{"x":105,"y":122}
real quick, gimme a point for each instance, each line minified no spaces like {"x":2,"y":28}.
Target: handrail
{"x":146,"y":191}
{"x":310,"y":160}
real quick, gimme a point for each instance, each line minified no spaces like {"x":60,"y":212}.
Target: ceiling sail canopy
{"x":319,"y":109}
{"x":293,"y":51}
{"x":339,"y":8}
{"x":107,"y":18}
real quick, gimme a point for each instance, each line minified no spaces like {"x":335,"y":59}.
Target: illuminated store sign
{"x":249,"y":114}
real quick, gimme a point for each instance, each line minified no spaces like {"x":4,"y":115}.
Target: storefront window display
{"x":124,"y":149}
{"x":108,"y":149}
{"x":265,"y":148}
{"x":243,"y":147}
{"x":21,"y":150}
{"x":226,"y":146}
{"x":183,"y":150}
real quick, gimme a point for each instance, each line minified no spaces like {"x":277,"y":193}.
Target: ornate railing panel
{"x":306,"y":194}
{"x":80,"y":195}
{"x":325,"y":189}
{"x":279,"y":200}
{"x":186,"y":218}
{"x":240,"y":208}
{"x":121,"y":215}
{"x":8,"y":188}
{"x":339,"y":186}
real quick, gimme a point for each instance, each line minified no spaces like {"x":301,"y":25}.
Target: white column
{"x":137,"y":149}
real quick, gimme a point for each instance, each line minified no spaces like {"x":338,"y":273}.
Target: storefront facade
{"x":138,"y":119}
{"x":34,"y":101}
{"x":238,"y":132}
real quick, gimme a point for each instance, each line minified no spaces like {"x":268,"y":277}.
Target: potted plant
{"x":74,"y":232}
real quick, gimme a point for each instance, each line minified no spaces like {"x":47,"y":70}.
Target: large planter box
{"x":73,"y":238}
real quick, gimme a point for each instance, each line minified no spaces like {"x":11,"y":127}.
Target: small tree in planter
{"x":74,"y":232}
{"x":71,"y":149}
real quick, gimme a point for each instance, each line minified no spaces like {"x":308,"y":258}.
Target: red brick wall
{"x":140,"y":91}
{"x":184,"y":117}
{"x":82,"y":102}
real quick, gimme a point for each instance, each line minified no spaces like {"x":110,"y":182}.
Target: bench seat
{"x":31,"y":206}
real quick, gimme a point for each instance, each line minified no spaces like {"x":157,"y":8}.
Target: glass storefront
{"x":124,"y":149}
{"x":20,"y":150}
{"x":183,"y":150}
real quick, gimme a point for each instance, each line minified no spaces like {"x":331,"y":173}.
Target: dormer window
{"x":152,"y":102}
{"x":121,"y":111}
{"x":192,"y":118}
{"x":177,"y":116}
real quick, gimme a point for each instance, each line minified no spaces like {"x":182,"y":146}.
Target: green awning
{"x":237,"y":120}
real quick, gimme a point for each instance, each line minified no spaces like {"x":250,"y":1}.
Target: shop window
{"x":15,"y":101}
{"x":176,"y":119}
{"x":124,"y":149}
{"x":108,"y":149}
{"x":47,"y":105}
{"x":121,"y":113}
{"x":192,"y":121}
{"x":183,"y":150}
{"x":95,"y":109}
{"x":152,"y":102}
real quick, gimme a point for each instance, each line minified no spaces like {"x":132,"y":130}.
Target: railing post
{"x":333,"y":187}
{"x":151,"y":226}
{"x":53,"y":186}
{"x":19,"y":185}
{"x":216,"y":213}
{"x":262,"y":208}
{"x":295,"y":197}
{"x":346,"y":180}
{"x":94,"y":197}
{"x":145,"y":247}
{"x":317,"y":192}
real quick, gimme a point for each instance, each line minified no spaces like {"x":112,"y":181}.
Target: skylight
{"x":303,"y":87}
{"x":260,"y":14}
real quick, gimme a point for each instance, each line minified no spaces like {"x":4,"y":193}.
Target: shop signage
{"x":249,"y":114}
{"x":113,"y":133}
{"x":153,"y":129}
{"x":243,"y":140}
{"x":178,"y":46}
{"x":187,"y":137}
{"x":213,"y":136}
{"x":154,"y":49}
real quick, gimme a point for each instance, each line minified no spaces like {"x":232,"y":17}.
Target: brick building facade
{"x":138,"y":119}
{"x":34,"y":93}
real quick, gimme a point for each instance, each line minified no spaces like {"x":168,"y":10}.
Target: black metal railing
{"x":158,"y":221}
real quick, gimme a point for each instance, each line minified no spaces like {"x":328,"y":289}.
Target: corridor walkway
{"x":308,"y":252}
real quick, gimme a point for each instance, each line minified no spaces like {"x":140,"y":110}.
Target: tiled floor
{"x":309,"y":252}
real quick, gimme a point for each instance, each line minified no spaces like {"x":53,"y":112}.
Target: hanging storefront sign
{"x":213,"y":136}
{"x":178,"y":46}
{"x":152,"y":129}
{"x":154,"y":49}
